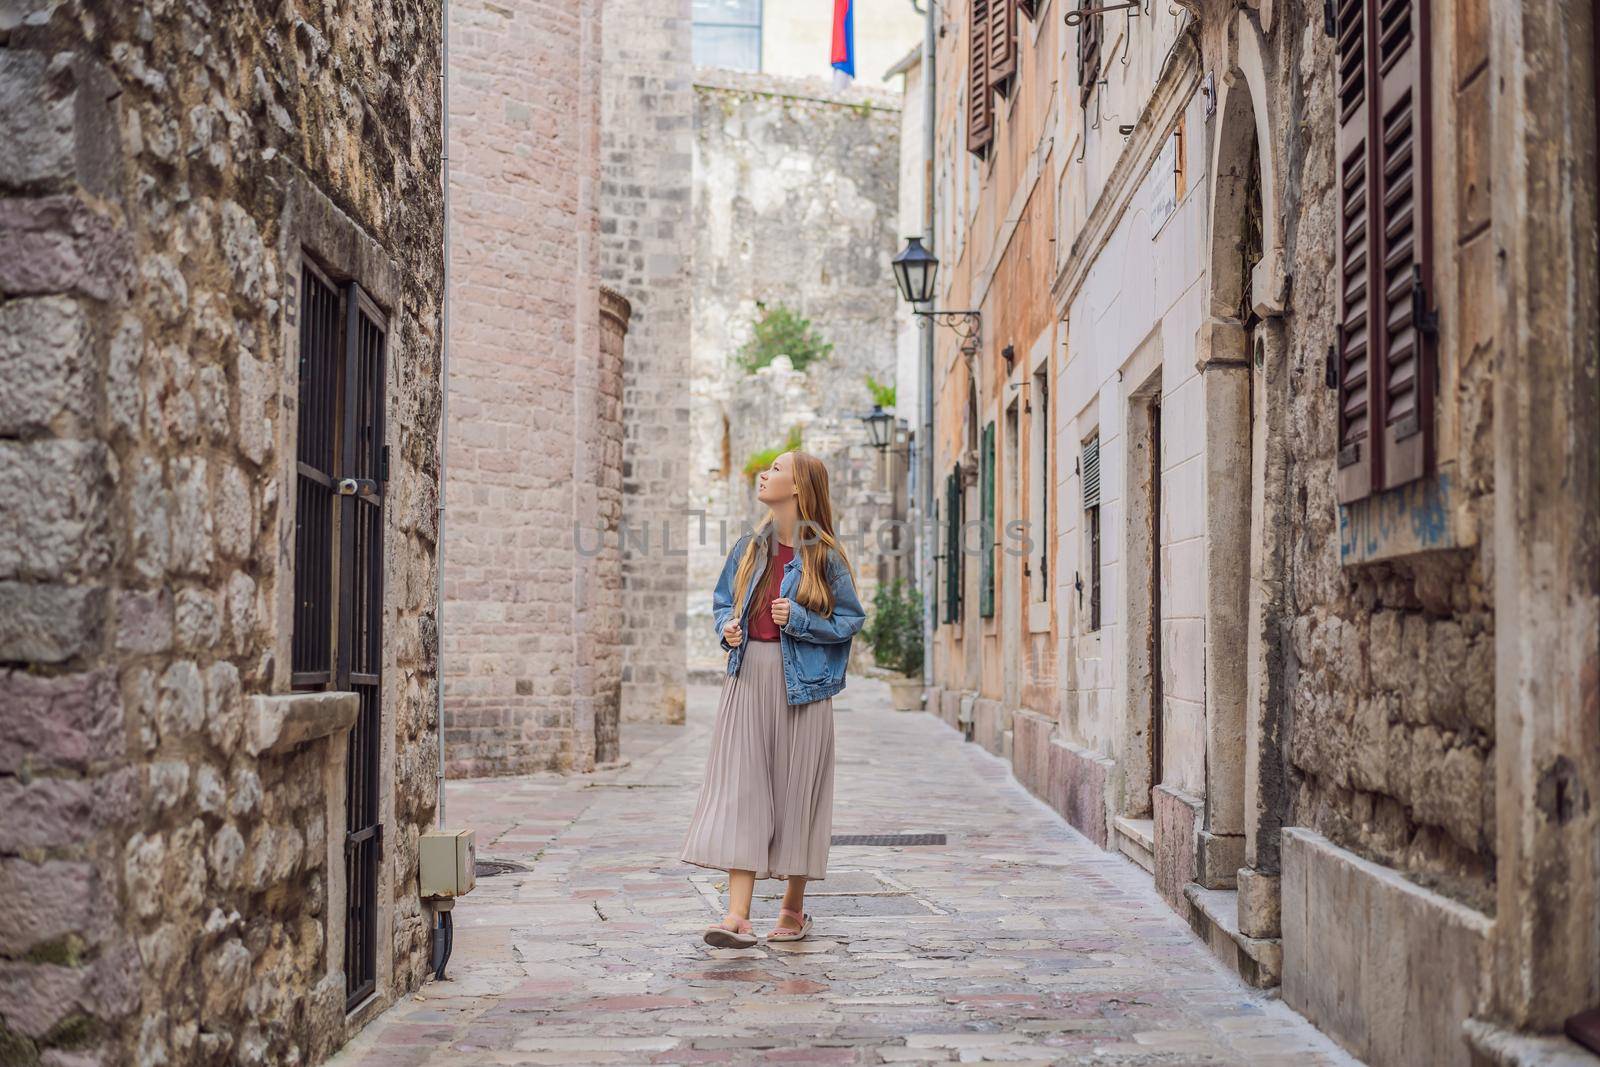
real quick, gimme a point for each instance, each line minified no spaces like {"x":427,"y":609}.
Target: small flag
{"x":844,"y":42}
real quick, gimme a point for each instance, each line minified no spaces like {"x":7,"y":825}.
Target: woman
{"x":786,"y":610}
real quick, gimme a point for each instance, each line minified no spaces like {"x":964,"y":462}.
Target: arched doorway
{"x":1233,"y":369}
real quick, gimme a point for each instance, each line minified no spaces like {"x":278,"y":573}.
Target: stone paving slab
{"x":1017,"y":941}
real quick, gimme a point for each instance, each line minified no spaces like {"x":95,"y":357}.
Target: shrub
{"x":895,"y":630}
{"x":882,"y":395}
{"x":781,"y":332}
{"x":760,"y":461}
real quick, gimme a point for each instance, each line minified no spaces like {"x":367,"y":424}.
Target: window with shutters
{"x":1002,"y":45}
{"x":1090,"y":31}
{"x":1090,"y":467}
{"x":1037,"y":566}
{"x":986,"y":495}
{"x":953,"y":510}
{"x":1385,"y":352}
{"x":980,"y":98}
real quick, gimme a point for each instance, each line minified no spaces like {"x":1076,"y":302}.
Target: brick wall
{"x":646,"y":256}
{"x":525,"y":384}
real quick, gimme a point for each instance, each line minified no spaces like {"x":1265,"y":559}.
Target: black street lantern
{"x":914,"y":270}
{"x":878,"y":421}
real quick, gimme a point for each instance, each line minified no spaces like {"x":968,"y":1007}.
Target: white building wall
{"x":1139,"y":307}
{"x":908,"y":336}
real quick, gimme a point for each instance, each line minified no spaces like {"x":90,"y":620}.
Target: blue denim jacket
{"x":816,"y":650}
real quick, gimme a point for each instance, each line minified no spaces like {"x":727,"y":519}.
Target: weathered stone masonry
{"x":532,"y":638}
{"x":647,"y":256}
{"x":174,"y":833}
{"x":794,"y":204}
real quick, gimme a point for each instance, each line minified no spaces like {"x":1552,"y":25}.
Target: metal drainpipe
{"x":930,"y":47}
{"x":444,"y":399}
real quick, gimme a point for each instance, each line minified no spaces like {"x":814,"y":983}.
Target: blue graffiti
{"x":1407,"y":519}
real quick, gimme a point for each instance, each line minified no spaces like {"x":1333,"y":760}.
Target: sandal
{"x":785,"y":933}
{"x":722,"y":935}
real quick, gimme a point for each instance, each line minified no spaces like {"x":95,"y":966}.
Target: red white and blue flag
{"x":844,"y":42}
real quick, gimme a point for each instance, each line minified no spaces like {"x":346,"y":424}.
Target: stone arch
{"x":1243,"y":133}
{"x":1246,"y":286}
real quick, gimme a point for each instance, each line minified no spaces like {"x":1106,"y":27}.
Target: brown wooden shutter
{"x":1386,"y":333}
{"x":1355,"y":468}
{"x":1404,"y":338}
{"x":1002,"y":44}
{"x":980,"y":102}
{"x":1089,"y":32}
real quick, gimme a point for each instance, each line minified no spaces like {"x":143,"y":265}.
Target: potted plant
{"x":895,"y":636}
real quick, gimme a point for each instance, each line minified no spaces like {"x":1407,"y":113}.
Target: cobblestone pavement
{"x":1016,"y":941}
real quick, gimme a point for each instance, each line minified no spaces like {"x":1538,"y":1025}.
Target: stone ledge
{"x":1497,"y":1046}
{"x":284,"y":721}
{"x":1136,"y":839}
{"x":1213,"y":914}
{"x":1389,"y":969}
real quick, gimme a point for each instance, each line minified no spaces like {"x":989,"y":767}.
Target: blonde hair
{"x":817,"y":538}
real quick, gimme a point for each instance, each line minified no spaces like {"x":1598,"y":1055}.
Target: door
{"x":359,"y":664}
{"x":1158,"y":702}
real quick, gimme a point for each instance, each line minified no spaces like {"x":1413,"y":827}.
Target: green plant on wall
{"x":882,"y":395}
{"x":895,"y":630}
{"x":760,"y":461}
{"x":778,"y":331}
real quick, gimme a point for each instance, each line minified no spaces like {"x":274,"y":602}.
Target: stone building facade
{"x":705,"y":201}
{"x":534,"y":476}
{"x":1323,"y":585}
{"x":215,"y":757}
{"x":795,"y":207}
{"x":647,"y":173}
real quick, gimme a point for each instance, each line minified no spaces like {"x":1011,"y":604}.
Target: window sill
{"x":278,"y":723}
{"x":1422,"y":516}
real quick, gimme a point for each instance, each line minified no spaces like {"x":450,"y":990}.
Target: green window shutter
{"x":986,"y":587}
{"x":952,"y":547}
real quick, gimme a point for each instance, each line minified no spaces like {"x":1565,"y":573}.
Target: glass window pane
{"x":728,"y":12}
{"x":729,"y":47}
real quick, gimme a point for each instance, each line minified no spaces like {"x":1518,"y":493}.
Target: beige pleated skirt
{"x":766,"y":802}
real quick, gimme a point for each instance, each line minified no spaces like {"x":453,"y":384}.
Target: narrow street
{"x":1016,"y":940}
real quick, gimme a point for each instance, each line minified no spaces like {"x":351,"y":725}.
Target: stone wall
{"x":646,"y":251}
{"x":528,"y":662}
{"x":171,"y":851}
{"x":1389,"y":664}
{"x":796,"y":201}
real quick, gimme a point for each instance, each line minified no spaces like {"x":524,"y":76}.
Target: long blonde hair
{"x":815,"y":527}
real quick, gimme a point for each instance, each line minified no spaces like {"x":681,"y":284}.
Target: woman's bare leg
{"x":741,"y":888}
{"x":794,"y":898}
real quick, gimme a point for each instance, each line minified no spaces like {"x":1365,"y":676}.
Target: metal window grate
{"x":361,"y":630}
{"x":316,"y":436}
{"x":363,"y":848}
{"x":888,"y":840}
{"x":337,"y":641}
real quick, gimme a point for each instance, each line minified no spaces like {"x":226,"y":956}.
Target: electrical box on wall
{"x":448,"y":860}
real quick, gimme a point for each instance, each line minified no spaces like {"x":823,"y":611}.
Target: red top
{"x":762,"y":628}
